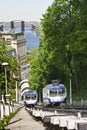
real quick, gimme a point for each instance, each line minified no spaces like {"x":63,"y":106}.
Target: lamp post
{"x":16,"y":92}
{"x":5,"y":64}
{"x":16,"y":89}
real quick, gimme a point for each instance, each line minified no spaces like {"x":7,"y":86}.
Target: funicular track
{"x":67,"y":117}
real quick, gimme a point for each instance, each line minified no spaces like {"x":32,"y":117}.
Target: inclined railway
{"x":61,"y":118}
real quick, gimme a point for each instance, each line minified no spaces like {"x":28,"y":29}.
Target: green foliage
{"x":63,"y":46}
{"x":39,"y":31}
{"x":32,"y":54}
{"x":12,"y":68}
{"x":6,"y":119}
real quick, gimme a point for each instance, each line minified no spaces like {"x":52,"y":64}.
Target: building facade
{"x":17,"y":41}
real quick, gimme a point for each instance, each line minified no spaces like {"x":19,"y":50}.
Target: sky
{"x":27,"y":10}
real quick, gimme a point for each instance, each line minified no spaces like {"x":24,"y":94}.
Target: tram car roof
{"x":30,"y":94}
{"x":55,"y":87}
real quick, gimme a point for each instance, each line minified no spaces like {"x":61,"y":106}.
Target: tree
{"x":63,"y":44}
{"x":12,"y":68}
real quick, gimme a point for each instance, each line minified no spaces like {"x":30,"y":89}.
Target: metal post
{"x":70,"y":92}
{"x":9,"y":106}
{"x":16,"y":92}
{"x":6,"y":80}
{"x":3,"y":105}
{"x":5,"y":64}
{"x":39,"y":97}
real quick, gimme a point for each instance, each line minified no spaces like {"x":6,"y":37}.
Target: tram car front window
{"x":34,"y":97}
{"x":61,"y":93}
{"x":53,"y":93}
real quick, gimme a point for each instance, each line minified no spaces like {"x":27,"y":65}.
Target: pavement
{"x":24,"y":121}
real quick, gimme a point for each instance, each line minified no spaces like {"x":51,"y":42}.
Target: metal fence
{"x":78,"y":103}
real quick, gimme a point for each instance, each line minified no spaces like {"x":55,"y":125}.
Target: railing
{"x":7,"y":109}
{"x":78,"y":103}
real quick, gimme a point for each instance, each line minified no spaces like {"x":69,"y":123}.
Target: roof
{"x":57,"y":87}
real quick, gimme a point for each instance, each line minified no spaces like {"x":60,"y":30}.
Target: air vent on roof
{"x":55,"y":82}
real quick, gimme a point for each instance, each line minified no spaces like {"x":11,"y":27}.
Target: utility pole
{"x":72,"y":53}
{"x":70,"y":92}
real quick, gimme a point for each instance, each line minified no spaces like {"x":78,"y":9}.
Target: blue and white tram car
{"x":54,"y":94}
{"x":30,"y":98}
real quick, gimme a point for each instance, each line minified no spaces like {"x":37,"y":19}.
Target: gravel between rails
{"x":24,"y":121}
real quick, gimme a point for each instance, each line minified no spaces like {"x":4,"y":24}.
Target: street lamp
{"x":16,"y":89}
{"x":5,"y":64}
